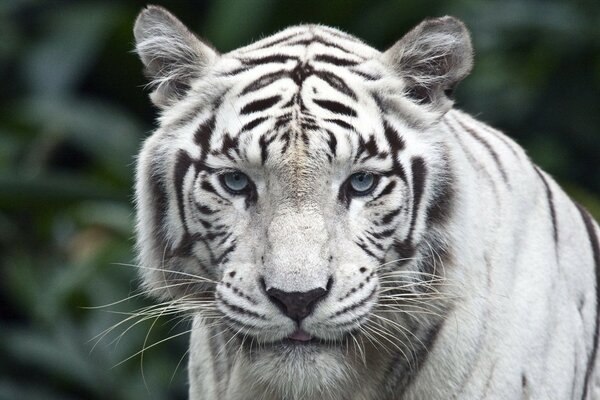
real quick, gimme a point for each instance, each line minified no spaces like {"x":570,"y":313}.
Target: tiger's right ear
{"x":172,"y":55}
{"x":432,"y":59}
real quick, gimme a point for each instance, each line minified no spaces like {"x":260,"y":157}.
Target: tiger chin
{"x":337,"y":230}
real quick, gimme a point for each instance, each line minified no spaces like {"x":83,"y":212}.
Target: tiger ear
{"x":172,"y":55}
{"x":432,"y":59}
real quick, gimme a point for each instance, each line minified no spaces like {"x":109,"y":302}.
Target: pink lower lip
{"x":300,"y":335}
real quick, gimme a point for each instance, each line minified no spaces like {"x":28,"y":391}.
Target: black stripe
{"x":204,"y":209}
{"x":260,"y":105}
{"x":332,"y":142}
{"x":230,"y":143}
{"x":341,"y":35}
{"x":387,"y":218}
{"x":208,"y":187}
{"x":224,"y":239}
{"x":370,"y":147}
{"x":442,"y":202}
{"x":476,"y":165}
{"x":233,"y":72}
{"x":419,"y":173}
{"x":282,"y":120}
{"x":285,"y":139}
{"x":365,"y":248}
{"x":401,"y":372}
{"x":393,"y":138}
{"x":340,"y":123}
{"x":365,"y":75}
{"x":160,"y":204}
{"x":340,"y":62}
{"x":488,"y":146}
{"x":383,"y":234}
{"x":264,"y":81}
{"x":252,"y":124}
{"x":276,"y":41}
{"x":404,"y":249}
{"x":335,"y":107}
{"x":211,"y":236}
{"x":274,"y":58}
{"x":240,"y":310}
{"x":386,"y":190}
{"x":182,"y":165}
{"x":225,"y":253}
{"x":264,"y":147}
{"x":320,"y":40}
{"x":203,"y":135}
{"x":357,"y":304}
{"x":550,"y":197}
{"x":396,"y":144}
{"x":336,"y":82}
{"x":205,"y":224}
{"x":375,"y":243}
{"x":595,"y":246}
{"x":500,"y":136}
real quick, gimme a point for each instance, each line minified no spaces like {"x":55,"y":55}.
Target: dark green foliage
{"x":73,"y":113}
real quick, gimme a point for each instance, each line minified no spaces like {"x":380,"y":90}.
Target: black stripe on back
{"x":488,"y":147}
{"x":260,"y":105}
{"x":335,"y":107}
{"x":550,"y":197}
{"x":475,"y":164}
{"x":593,"y":239}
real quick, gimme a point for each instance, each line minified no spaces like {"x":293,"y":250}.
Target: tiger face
{"x":290,"y":179}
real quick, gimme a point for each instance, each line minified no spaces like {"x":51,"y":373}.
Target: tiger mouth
{"x":300,"y":336}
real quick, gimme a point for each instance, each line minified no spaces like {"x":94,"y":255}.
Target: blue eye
{"x":362,"y":183}
{"x":235,"y":182}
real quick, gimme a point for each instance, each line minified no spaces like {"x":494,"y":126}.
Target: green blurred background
{"x":73,"y":113}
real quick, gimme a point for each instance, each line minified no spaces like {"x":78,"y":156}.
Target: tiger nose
{"x":298,"y":305}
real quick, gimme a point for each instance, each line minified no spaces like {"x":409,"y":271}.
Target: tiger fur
{"x":461,"y":271}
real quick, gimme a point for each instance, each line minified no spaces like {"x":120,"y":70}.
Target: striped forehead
{"x":303,"y":88}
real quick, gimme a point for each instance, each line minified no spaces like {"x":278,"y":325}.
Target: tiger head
{"x":296,"y":190}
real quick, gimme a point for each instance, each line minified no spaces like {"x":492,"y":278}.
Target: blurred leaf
{"x":108,"y":133}
{"x":71,"y":38}
{"x":52,"y":190}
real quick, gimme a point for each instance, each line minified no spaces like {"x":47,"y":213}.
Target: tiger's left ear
{"x":172,"y":54}
{"x":432,"y":59}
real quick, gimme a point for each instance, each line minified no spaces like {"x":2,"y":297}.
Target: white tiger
{"x":338,"y":231}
